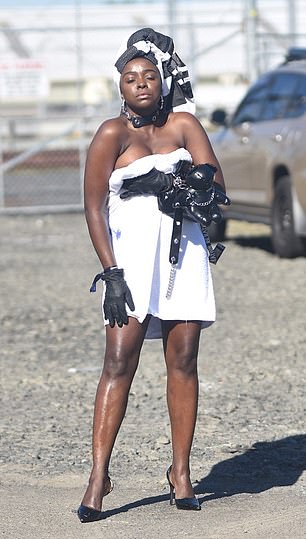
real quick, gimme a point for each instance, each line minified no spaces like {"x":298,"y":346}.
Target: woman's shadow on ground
{"x":262,"y":466}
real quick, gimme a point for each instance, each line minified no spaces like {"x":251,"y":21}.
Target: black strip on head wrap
{"x":164,"y":43}
{"x":132,"y":53}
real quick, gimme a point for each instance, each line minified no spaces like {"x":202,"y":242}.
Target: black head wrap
{"x":159,"y":49}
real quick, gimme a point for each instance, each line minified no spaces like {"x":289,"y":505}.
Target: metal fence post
{"x":292,"y":21}
{"x":1,"y":173}
{"x":172,"y":18}
{"x":251,"y":39}
{"x":80,"y":104}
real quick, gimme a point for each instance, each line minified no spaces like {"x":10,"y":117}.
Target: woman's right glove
{"x":153,"y":182}
{"x":117,"y":294}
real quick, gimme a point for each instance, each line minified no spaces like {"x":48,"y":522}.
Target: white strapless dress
{"x":141,"y":236}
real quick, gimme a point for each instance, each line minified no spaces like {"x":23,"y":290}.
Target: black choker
{"x":140,"y":121}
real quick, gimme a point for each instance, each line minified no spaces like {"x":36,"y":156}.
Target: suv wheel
{"x":284,"y":239}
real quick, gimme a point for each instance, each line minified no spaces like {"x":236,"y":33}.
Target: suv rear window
{"x":282,"y":90}
{"x":251,"y":107}
{"x":297,"y":104}
{"x":274,"y":96}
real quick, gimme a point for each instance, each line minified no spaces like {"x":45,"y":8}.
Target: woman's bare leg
{"x":123,"y":346}
{"x":181,"y":344}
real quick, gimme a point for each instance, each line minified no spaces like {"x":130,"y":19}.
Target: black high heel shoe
{"x":189,"y":504}
{"x":89,"y":514}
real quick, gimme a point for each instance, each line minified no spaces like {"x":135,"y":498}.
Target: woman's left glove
{"x":117,"y":294}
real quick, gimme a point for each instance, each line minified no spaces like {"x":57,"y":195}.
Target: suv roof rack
{"x":296,"y":53}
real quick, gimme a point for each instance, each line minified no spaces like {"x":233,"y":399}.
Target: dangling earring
{"x":124,"y":109}
{"x":161,"y":103}
{"x":123,"y":106}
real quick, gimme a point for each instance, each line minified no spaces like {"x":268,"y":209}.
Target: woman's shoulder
{"x":111,"y":131}
{"x":183,"y":123}
{"x":182,"y":120}
{"x":182,"y":116}
{"x":111,"y":126}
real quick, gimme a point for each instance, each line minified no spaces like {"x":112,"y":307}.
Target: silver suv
{"x":262,"y":151}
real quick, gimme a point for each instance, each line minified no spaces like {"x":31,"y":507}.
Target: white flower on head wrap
{"x":159,"y":49}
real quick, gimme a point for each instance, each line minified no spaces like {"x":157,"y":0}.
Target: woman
{"x":132,"y":238}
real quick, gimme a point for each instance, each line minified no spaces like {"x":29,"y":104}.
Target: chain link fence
{"x":56,"y":82}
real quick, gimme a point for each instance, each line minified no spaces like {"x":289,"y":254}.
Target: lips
{"x":143,"y":95}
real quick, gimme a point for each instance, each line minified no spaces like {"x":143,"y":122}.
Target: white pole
{"x":79,"y":52}
{"x":292,"y":21}
{"x":1,"y":174}
{"x":251,"y":39}
{"x":172,"y":18}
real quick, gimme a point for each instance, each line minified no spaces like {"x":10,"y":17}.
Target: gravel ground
{"x":249,"y":451}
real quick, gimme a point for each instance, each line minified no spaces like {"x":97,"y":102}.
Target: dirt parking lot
{"x":249,"y":454}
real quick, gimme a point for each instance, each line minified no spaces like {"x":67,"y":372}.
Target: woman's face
{"x":140,"y":85}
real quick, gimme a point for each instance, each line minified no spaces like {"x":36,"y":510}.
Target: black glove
{"x":220,"y":196}
{"x":152,"y":183}
{"x":117,"y":294}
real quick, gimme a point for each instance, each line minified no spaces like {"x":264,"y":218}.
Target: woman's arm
{"x":101,"y":158}
{"x":198,"y":144}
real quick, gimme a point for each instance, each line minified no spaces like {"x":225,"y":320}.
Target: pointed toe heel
{"x":88,"y":514}
{"x":187,"y":504}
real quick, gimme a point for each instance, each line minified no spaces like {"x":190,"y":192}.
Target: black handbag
{"x":193,"y":189}
{"x":195,"y":196}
